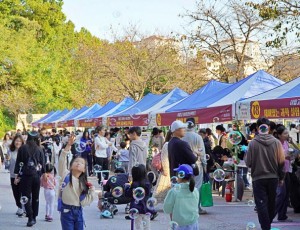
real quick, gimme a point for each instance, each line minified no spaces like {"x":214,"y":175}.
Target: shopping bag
{"x":206,"y":198}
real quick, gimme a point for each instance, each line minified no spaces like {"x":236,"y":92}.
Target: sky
{"x":150,"y":16}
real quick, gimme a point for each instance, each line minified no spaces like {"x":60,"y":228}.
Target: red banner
{"x":64,"y":124}
{"x":201,"y":116}
{"x":47,"y":125}
{"x":277,"y":108}
{"x":90,"y":122}
{"x":124,"y":121}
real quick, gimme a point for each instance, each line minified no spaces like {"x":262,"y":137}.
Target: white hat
{"x":177,"y":125}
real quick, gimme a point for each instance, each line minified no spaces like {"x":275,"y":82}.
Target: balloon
{"x":173,"y":225}
{"x":24,"y":200}
{"x":117,"y":192}
{"x":113,"y":179}
{"x":133,"y":213}
{"x":97,"y":168}
{"x":235,"y":137}
{"x":181,"y":174}
{"x":138,"y":193}
{"x":219,"y":175}
{"x":80,"y":147}
{"x":250,"y":226}
{"x":151,"y":203}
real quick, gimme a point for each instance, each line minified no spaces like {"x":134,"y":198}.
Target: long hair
{"x":139,"y":174}
{"x":191,"y":180}
{"x":33,"y":142}
{"x":82,"y":178}
{"x":4,"y":138}
{"x":12,"y":147}
{"x":84,"y":133}
{"x":168,"y":136}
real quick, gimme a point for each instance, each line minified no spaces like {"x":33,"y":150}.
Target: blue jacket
{"x":88,"y":146}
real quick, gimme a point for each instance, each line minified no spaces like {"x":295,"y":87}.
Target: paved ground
{"x":225,"y":216}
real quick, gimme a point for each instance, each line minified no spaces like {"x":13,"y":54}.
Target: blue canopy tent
{"x":69,"y":120}
{"x":123,"y":105}
{"x":254,"y":84}
{"x":35,"y":124}
{"x":49,"y":123}
{"x":138,"y":113}
{"x":89,"y":120}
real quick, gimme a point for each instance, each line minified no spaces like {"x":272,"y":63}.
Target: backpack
{"x":30,"y":168}
{"x":59,"y":200}
{"x":156,"y":162}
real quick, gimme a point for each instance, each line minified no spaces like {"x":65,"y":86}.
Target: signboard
{"x":277,"y":108}
{"x":90,"y":122}
{"x":201,"y":116}
{"x":146,"y":137}
{"x":124,"y":121}
{"x":48,"y":125}
{"x":243,"y":111}
{"x":62,"y":124}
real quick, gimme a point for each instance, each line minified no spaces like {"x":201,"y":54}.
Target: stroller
{"x":109,"y":202}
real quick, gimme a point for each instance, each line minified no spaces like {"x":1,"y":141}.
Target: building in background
{"x":27,"y":119}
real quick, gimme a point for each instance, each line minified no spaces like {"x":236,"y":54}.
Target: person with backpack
{"x":162,"y":165}
{"x":29,"y":166}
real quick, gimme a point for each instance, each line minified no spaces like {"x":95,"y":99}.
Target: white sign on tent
{"x":243,"y":110}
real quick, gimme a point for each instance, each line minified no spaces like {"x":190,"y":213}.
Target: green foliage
{"x":45,"y":65}
{"x":283,"y":17}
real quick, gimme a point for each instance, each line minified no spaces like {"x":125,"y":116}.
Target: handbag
{"x":206,"y":198}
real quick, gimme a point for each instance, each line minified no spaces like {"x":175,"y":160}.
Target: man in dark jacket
{"x":179,"y":151}
{"x":265,"y":157}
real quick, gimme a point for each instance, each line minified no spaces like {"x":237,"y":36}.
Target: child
{"x":123,"y":156}
{"x":76,"y":191}
{"x":48,"y":183}
{"x":139,"y":180}
{"x":182,"y":201}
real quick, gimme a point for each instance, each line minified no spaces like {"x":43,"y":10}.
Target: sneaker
{"x":202,"y":212}
{"x":50,"y":219}
{"x":46,"y":217}
{"x":114,"y":209}
{"x":19,"y":212}
{"x":127,"y":218}
{"x":247,"y":188}
{"x":30,"y":223}
{"x":286,"y":220}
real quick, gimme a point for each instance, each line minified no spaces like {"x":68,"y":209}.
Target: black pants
{"x":282,"y":198}
{"x":264,"y":191}
{"x":103,"y":162}
{"x":16,"y":191}
{"x":30,"y":187}
{"x":89,"y":160}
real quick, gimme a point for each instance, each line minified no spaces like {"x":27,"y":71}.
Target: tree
{"x":283,"y":16}
{"x":222,"y":31}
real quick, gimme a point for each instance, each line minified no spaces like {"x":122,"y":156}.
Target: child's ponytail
{"x":192,"y":184}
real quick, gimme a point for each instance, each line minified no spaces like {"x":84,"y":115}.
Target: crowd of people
{"x":120,"y":158}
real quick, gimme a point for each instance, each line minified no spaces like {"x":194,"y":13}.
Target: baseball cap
{"x":187,"y":169}
{"x":178,"y":125}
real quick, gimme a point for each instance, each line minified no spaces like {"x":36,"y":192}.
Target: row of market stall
{"x":259,"y":94}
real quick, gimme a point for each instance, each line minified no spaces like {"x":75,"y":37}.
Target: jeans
{"x":264,"y":191}
{"x":199,"y":181}
{"x":282,"y":199}
{"x":30,"y":187}
{"x":194,"y":226}
{"x":244,"y":171}
{"x":71,"y":218}
{"x":50,"y":199}
{"x":16,"y":191}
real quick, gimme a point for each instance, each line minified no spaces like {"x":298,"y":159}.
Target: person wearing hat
{"x":197,"y":145}
{"x":182,"y":200}
{"x":179,"y":151}
{"x":28,"y":169}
